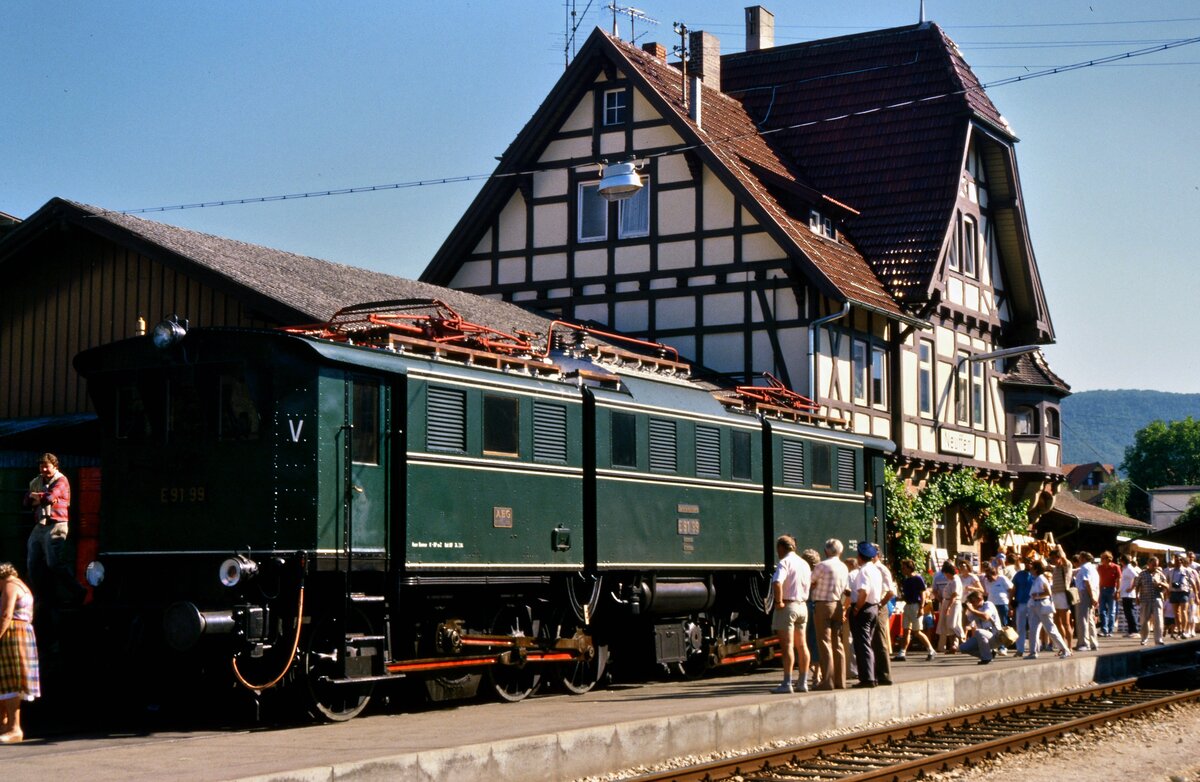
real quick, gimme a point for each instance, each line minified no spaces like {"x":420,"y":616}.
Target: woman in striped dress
{"x":19,"y":680}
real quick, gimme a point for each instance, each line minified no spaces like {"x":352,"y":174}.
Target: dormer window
{"x":970,"y":246}
{"x":821,"y":225}
{"x":615,"y":107}
{"x":1052,"y":422}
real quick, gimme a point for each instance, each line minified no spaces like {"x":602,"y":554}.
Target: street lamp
{"x":620,"y":181}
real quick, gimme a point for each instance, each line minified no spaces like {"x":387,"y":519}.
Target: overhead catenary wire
{"x":679,"y":149}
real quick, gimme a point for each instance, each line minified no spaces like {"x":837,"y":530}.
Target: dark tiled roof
{"x":313,"y":288}
{"x":1067,"y":504}
{"x":900,"y":165}
{"x":1031,"y":369}
{"x":739,"y":145}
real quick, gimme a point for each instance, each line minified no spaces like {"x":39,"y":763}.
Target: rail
{"x":913,"y":750}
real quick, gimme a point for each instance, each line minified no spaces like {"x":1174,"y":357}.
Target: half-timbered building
{"x":845,"y":214}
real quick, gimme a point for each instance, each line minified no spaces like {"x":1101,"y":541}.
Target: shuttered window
{"x":662,"y":445}
{"x":846,"y":480}
{"x":446,"y":419}
{"x":549,"y":432}
{"x":708,"y":452}
{"x":793,"y":463}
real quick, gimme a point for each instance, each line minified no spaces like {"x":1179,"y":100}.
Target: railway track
{"x":909,"y":751}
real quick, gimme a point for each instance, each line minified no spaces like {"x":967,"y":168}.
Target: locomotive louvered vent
{"x":793,"y":463}
{"x":446,"y":427}
{"x":708,"y":452}
{"x":549,"y":432}
{"x":846,"y":479}
{"x":662,"y":445}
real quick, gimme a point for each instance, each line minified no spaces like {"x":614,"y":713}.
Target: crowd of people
{"x":834,"y":616}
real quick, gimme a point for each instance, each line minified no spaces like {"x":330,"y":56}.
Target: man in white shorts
{"x":790,"y":586}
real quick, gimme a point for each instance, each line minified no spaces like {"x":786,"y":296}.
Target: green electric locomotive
{"x":399,"y":494}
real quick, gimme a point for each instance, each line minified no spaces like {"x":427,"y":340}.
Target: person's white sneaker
{"x":784,"y":689}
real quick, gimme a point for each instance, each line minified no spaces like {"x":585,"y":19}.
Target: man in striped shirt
{"x":1151,"y":586}
{"x":830,"y":580}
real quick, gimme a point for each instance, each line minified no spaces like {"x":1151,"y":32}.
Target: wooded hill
{"x":1099,"y":425}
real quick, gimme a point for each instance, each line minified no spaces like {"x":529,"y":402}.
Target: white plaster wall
{"x":632,"y":316}
{"x":661,"y":136}
{"x":761,"y":247}
{"x":510,"y":270}
{"x":677,"y":211}
{"x":722,"y":309}
{"x":512,"y":224}
{"x":549,"y":225}
{"x":581,"y":115}
{"x":591,"y":263}
{"x":718,"y":203}
{"x":551,"y":266}
{"x":673,"y":168}
{"x":485,"y":243}
{"x":676,"y":313}
{"x":676,"y":255}
{"x":473,"y":274}
{"x":550,"y":183}
{"x":718,"y":250}
{"x":567,"y":148}
{"x":632,"y":259}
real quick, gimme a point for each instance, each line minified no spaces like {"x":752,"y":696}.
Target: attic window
{"x":821,"y":225}
{"x":614,"y":107}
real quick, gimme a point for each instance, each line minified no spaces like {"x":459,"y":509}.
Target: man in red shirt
{"x":1110,"y":580}
{"x":49,"y":571}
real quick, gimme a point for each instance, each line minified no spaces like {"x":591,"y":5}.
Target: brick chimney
{"x":760,"y":28}
{"x":705,"y":62}
{"x":656,"y":50}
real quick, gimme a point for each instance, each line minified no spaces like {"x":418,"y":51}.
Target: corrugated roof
{"x":312,"y":288}
{"x":1067,"y":504}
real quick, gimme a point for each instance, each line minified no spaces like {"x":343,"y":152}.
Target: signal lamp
{"x":168,"y":332}
{"x":237,"y":569}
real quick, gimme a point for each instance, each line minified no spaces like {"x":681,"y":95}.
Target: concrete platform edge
{"x":604,"y":749}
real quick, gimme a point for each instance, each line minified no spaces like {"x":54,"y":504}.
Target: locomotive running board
{"x":739,"y":652}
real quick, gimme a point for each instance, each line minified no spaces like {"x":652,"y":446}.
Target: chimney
{"x":705,"y":60}
{"x":655,"y":50}
{"x":695,"y":103}
{"x":760,"y":28}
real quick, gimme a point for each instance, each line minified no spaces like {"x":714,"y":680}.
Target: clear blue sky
{"x":136,"y":104}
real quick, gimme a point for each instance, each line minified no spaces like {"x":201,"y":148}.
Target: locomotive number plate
{"x":689,"y":526}
{"x":502,"y":518}
{"x":171,"y":495}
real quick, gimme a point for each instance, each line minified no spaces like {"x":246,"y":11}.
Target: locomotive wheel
{"x":697,"y":654}
{"x":321,"y":657}
{"x":583,"y":673}
{"x":513,"y":683}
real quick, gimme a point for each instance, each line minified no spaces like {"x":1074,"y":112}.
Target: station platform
{"x":560,"y":737}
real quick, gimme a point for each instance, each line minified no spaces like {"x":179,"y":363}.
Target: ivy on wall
{"x":912,"y":516}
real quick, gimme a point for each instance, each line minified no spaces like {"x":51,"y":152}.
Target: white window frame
{"x":978,"y":395}
{"x":879,"y":377}
{"x":955,"y":239}
{"x":814,"y":221}
{"x":962,"y":389}
{"x":579,"y":222}
{"x":617,"y":108}
{"x":859,"y":370}
{"x":925,"y":378}
{"x":970,"y":247}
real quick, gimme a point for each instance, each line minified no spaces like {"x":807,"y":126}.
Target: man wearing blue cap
{"x":866,"y":591}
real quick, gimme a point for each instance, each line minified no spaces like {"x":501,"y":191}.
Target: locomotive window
{"x":708,"y":452}
{"x":501,"y":418}
{"x":446,"y":419}
{"x":793,"y":463}
{"x":185,"y":409}
{"x":624,"y":440}
{"x":662,"y":445}
{"x":822,"y":468}
{"x":549,"y":432}
{"x":237,"y":417}
{"x":741,"y":455}
{"x":364,"y":415}
{"x":131,"y":420}
{"x":847,"y":479}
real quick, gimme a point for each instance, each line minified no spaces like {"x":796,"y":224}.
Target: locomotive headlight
{"x":237,"y":569}
{"x":95,"y":573}
{"x":167,"y":333}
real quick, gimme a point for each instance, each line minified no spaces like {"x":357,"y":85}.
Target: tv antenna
{"x":634,"y":14}
{"x":571,"y":22}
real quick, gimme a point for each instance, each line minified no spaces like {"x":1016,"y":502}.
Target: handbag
{"x":1072,"y":596}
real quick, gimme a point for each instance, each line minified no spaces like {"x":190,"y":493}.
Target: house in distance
{"x":845,"y":214}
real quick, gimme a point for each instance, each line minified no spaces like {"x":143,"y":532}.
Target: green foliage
{"x":1192,"y":513}
{"x":912,"y":516}
{"x":1115,"y":495}
{"x":1165,"y":454}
